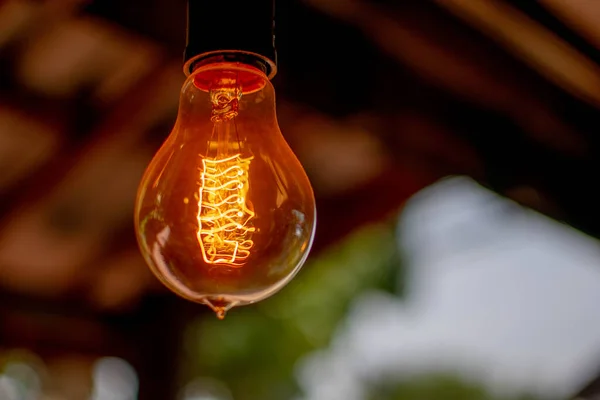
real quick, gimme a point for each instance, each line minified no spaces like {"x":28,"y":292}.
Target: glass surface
{"x":225,"y":214}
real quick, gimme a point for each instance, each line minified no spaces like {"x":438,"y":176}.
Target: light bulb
{"x":225,"y":214}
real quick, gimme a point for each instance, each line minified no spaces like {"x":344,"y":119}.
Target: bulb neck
{"x":241,"y":58}
{"x":230,"y":71}
{"x":233,"y":29}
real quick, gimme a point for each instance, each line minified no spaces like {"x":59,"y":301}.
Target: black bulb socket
{"x":231,"y":30}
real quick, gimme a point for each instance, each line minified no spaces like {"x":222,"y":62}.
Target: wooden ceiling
{"x":377,"y":98}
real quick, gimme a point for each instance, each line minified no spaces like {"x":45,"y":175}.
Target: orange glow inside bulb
{"x":225,"y":214}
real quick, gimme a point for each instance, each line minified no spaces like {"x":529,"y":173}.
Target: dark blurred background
{"x":454,"y":149}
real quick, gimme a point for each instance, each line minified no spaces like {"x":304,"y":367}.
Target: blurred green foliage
{"x":255,"y":349}
{"x":435,"y":387}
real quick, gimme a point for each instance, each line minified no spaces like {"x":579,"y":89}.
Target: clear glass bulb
{"x":225,"y":214}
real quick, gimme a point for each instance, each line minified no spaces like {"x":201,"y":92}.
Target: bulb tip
{"x":220,"y":312}
{"x":219,"y":306}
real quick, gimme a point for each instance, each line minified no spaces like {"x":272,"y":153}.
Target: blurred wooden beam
{"x":580,"y":15}
{"x":86,"y":196}
{"x":85,"y":54}
{"x":540,"y":48}
{"x":26,"y":143}
{"x":464,"y":65}
{"x":22,"y":20}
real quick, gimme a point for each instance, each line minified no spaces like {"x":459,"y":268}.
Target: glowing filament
{"x":224,"y":218}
